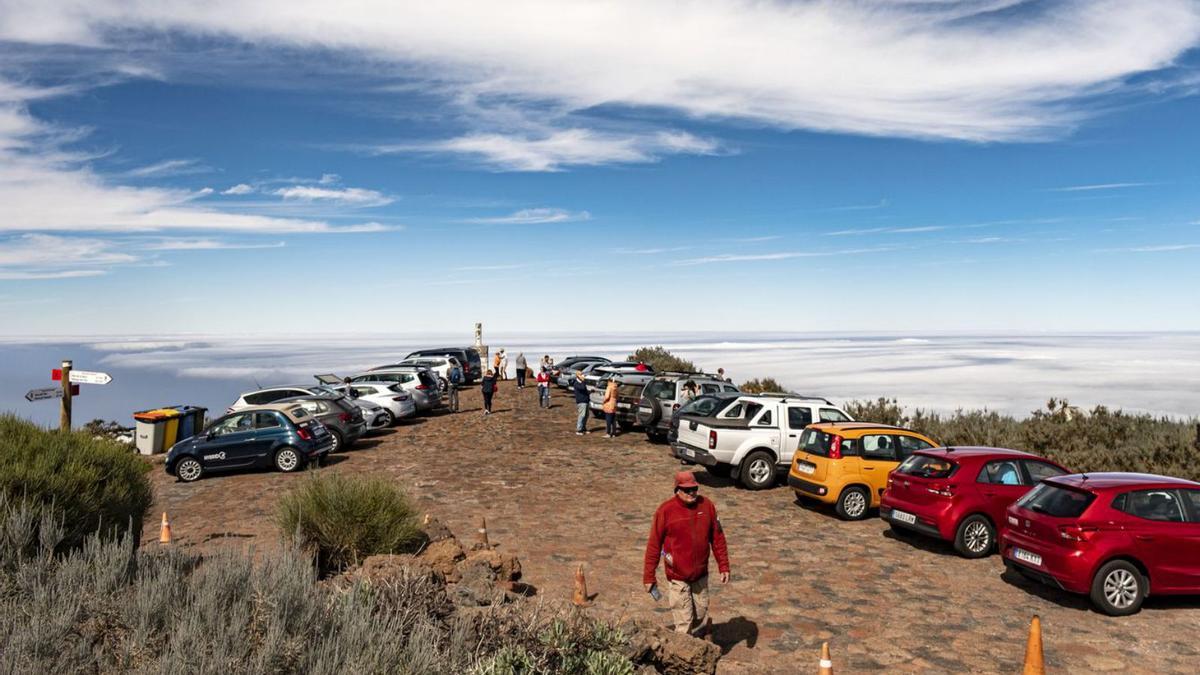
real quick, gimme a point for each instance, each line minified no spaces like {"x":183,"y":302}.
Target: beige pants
{"x":689,"y":603}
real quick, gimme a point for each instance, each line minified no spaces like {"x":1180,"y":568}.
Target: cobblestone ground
{"x":800,"y":575}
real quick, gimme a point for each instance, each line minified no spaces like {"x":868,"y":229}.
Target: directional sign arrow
{"x":43,"y":394}
{"x":90,"y":377}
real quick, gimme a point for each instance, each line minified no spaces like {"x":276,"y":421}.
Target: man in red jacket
{"x":685,"y":527}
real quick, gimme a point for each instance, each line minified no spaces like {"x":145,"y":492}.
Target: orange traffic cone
{"x":580,"y":598}
{"x":1034,"y":663}
{"x":826,"y":664}
{"x":481,"y":533}
{"x":164,"y":532}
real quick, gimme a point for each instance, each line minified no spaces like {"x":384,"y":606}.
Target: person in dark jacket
{"x":521,"y":366}
{"x":684,"y":529}
{"x":579,"y":388}
{"x":488,"y":387}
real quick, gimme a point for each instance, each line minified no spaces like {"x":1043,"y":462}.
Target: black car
{"x":705,"y":405}
{"x":282,"y":436}
{"x":467,"y":356}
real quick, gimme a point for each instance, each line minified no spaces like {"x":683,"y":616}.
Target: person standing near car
{"x":521,"y":370}
{"x":502,"y":373}
{"x":455,"y":378}
{"x":488,"y":386}
{"x":610,"y":409}
{"x":688,"y":393}
{"x":496,"y":360}
{"x":579,"y":388}
{"x":543,"y":385}
{"x":685,"y":528}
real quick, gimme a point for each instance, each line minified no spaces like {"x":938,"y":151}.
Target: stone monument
{"x":481,"y":348}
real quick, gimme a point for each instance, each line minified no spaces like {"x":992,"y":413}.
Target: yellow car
{"x":847,"y":463}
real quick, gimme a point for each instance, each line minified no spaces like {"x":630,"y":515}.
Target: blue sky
{"x":271,"y":167}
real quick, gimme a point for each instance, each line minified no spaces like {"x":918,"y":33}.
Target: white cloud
{"x":535,"y":216}
{"x":239,"y":189}
{"x":170,"y":167}
{"x":1163,"y":248}
{"x":347,"y":196}
{"x":780,"y":255}
{"x":487,"y":268}
{"x":982,"y":70}
{"x":42,"y":256}
{"x":1098,"y":186}
{"x":206,"y":245}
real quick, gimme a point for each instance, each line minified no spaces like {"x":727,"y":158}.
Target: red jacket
{"x":682,"y":535}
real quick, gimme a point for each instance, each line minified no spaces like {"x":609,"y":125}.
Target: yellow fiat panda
{"x":847,"y":463}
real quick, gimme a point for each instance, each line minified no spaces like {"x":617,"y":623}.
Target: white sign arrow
{"x":90,"y":377}
{"x":43,"y":394}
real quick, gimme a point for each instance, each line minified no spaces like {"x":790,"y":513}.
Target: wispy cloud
{"x":890,"y":230}
{"x":169,"y":167}
{"x":41,"y":256}
{"x":881,"y":204}
{"x":239,"y":189}
{"x":488,"y":268}
{"x":349,"y":196}
{"x":1097,"y":186}
{"x":206,"y":245}
{"x":651,"y":251}
{"x":534,"y":217}
{"x":780,"y":255}
{"x":1161,"y":248}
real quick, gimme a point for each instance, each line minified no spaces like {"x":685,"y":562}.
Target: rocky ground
{"x":800,"y":575}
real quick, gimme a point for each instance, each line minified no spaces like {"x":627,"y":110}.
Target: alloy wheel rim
{"x":336,"y":443}
{"x":759,"y":470}
{"x":977,"y":537}
{"x":287,"y":460}
{"x":1120,"y":588}
{"x":189,"y":470}
{"x":855,"y":504}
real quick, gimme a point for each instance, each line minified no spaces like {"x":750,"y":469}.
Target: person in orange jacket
{"x":610,"y":409}
{"x":684,"y":530}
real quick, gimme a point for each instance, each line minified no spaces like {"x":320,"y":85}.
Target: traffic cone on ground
{"x":826,"y":664}
{"x":580,"y":598}
{"x":1034,"y":663}
{"x":481,"y":533}
{"x":164,"y":531}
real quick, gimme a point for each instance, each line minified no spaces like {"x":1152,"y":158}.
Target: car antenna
{"x":256,"y":384}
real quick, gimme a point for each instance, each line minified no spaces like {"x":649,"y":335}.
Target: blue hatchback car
{"x":284,"y":436}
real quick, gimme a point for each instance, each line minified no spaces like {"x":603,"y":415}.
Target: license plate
{"x":623,"y":405}
{"x":687,"y":453}
{"x":1026,"y":556}
{"x":1013,"y":521}
{"x":904,"y":517}
{"x":806,"y":468}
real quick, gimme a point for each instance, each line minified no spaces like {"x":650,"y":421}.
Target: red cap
{"x":685,"y":479}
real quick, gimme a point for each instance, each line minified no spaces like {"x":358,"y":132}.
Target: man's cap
{"x":685,"y":479}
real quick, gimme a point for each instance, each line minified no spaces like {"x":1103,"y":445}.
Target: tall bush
{"x":90,"y":485}
{"x":764,"y":385}
{"x":660,"y":359}
{"x":343,"y":520}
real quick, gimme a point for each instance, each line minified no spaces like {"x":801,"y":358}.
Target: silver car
{"x":418,"y":381}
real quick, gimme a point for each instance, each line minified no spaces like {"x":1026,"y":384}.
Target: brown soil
{"x":800,"y":575}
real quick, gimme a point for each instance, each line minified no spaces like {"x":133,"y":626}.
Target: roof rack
{"x":791,"y":394}
{"x":685,"y":372}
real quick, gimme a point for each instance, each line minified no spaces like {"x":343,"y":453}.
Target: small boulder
{"x":443,"y":555}
{"x":434,"y":529}
{"x":670,"y":652}
{"x":386,"y":567}
{"x":477,"y":585}
{"x":506,"y":566}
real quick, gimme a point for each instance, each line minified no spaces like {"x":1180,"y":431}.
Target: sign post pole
{"x":64,"y":421}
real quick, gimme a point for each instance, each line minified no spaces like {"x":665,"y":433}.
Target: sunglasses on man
{"x":689,"y":490}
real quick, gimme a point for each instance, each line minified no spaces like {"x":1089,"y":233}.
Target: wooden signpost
{"x":70,"y":379}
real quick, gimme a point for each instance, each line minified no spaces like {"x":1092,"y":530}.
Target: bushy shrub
{"x":661,"y":360}
{"x":108,"y":607}
{"x":343,"y":520}
{"x":761,"y":386}
{"x":93,"y":485}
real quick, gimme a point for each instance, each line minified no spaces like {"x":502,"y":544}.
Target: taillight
{"x":712,"y":440}
{"x":402,"y":397}
{"x":422,"y":387}
{"x":835,"y":448}
{"x":303,"y":433}
{"x":941,"y":490}
{"x":345,"y":417}
{"x":1076,"y":533}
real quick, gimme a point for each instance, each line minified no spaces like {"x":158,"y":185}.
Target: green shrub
{"x":343,"y":520}
{"x":761,"y":386}
{"x":661,"y":360}
{"x":91,"y":485}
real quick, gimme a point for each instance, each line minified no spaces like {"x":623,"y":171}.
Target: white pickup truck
{"x":754,"y":437}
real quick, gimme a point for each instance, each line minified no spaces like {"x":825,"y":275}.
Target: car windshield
{"x":1056,"y":501}
{"x":661,"y":389}
{"x":705,"y":405}
{"x":923,"y":466}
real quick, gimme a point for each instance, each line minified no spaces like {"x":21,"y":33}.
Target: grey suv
{"x":663,"y":396}
{"x":343,"y":418}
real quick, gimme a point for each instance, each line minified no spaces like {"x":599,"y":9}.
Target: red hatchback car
{"x":960,"y":494}
{"x":1117,"y":537}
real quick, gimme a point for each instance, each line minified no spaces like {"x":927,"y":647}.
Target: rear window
{"x":427,"y":379}
{"x":661,"y":389}
{"x":816,"y":442}
{"x":629,"y":390}
{"x":701,"y":406}
{"x":1056,"y":501}
{"x":923,"y":466}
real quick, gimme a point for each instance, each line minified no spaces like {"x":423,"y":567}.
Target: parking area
{"x":800,"y":575}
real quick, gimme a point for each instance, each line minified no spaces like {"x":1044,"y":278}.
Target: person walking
{"x":543,"y":385}
{"x":610,"y":409}
{"x":521,"y":370}
{"x":488,"y":386}
{"x":454,"y":378}
{"x":496,"y":360}
{"x":684,"y":529}
{"x":502,"y":373}
{"x":579,"y":388}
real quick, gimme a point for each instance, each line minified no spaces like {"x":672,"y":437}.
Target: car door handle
{"x":869,"y":468}
{"x":791,"y":435}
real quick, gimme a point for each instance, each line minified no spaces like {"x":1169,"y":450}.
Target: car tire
{"x":1118,"y":589}
{"x":189,"y":470}
{"x":339,"y":443}
{"x":288,"y":459}
{"x":651,"y":417}
{"x":853,"y":503}
{"x":389,"y":418}
{"x":975,"y":537}
{"x":757,"y":470}
{"x":719,"y":470}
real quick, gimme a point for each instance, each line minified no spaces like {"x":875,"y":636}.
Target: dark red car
{"x":960,"y":494}
{"x":1117,"y":537}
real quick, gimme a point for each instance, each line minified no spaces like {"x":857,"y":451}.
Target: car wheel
{"x":719,"y":470}
{"x":287,"y":459}
{"x":338,"y":441}
{"x":1118,"y":588}
{"x":388,"y":418}
{"x":189,"y":469}
{"x":975,"y":537}
{"x":758,"y":470}
{"x":853,"y":503}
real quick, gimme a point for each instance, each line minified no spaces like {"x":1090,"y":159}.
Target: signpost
{"x":43,"y":394}
{"x":89,"y":377}
{"x":71,"y":379}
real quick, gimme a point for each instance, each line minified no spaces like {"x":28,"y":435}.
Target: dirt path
{"x":800,"y":576}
